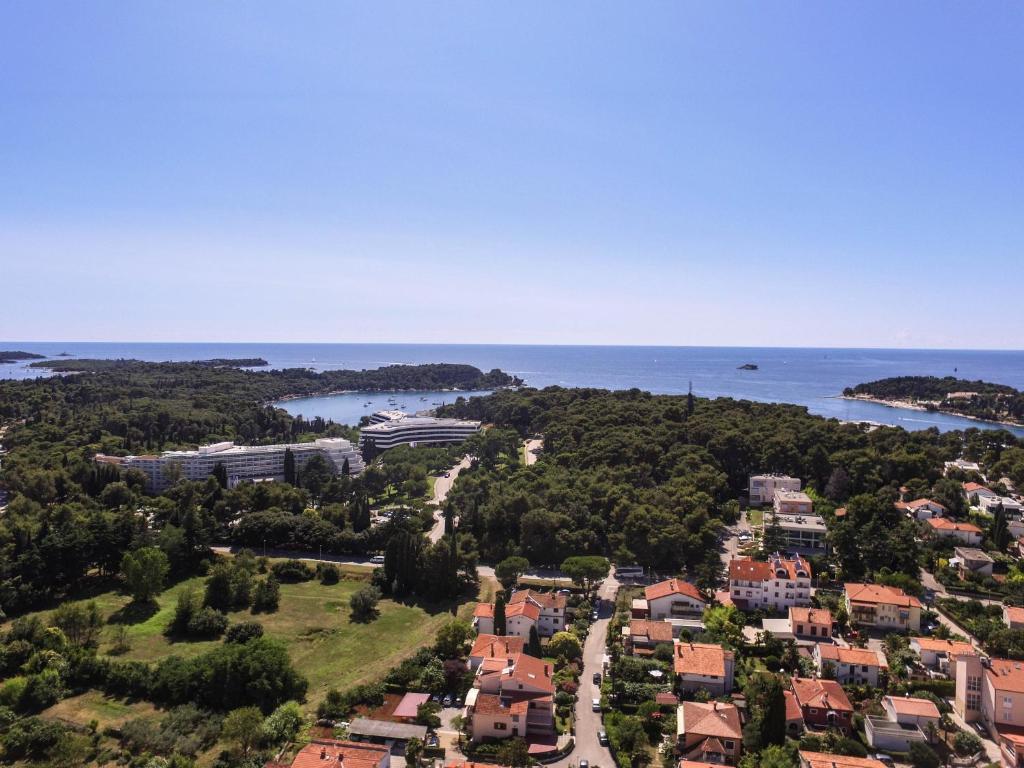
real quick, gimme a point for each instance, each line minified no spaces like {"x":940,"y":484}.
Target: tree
{"x":1000,"y":531}
{"x":220,"y":474}
{"x":774,"y":538}
{"x":413,"y":751}
{"x":266,"y":596}
{"x":724,"y":623}
{"x":923,"y":756}
{"x":144,"y":571}
{"x":243,"y":726}
{"x":565,"y":644}
{"x":585,"y":570}
{"x":289,"y":466}
{"x":533,"y":645}
{"x":499,"y":614}
{"x":283,"y":723}
{"x":514,"y":753}
{"x":81,"y":624}
{"x":510,"y":569}
{"x":452,"y":637}
{"x":766,"y":703}
{"x":363,"y":603}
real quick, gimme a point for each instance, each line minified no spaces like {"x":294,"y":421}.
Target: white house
{"x":906,"y":720}
{"x":775,"y":586}
{"x":761,"y":489}
{"x":673,"y":599}
{"x":848,"y":666}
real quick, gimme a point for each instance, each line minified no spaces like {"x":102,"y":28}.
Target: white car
{"x":377,"y":559}
{"x":595,"y":705}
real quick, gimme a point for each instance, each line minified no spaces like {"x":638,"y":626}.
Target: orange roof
{"x":673,"y":587}
{"x":530,"y":671}
{"x":975,"y":487}
{"x":655,"y":631}
{"x":879,"y":594}
{"x":810,"y":615}
{"x":826,"y":760}
{"x":826,"y":694}
{"x":1006,"y":675}
{"x":1014,"y":614}
{"x":712,"y":719}
{"x":321,"y":753}
{"x":904,"y":705}
{"x":793,"y":711}
{"x":497,"y":646}
{"x":542,"y":599}
{"x":950,"y":647}
{"x":489,"y":704}
{"x":484,"y":611}
{"x":841,"y":512}
{"x":701,"y":659}
{"x":468,"y":764}
{"x":684,"y":763}
{"x":942,"y":524}
{"x":918,"y":503}
{"x":848,"y":655}
{"x":748,"y":569}
{"x":525,"y":608}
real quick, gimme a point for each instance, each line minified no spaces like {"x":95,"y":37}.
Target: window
{"x":500,"y":726}
{"x":729,"y":744}
{"x":973,"y":701}
{"x":813,"y":711}
{"x":973,"y":683}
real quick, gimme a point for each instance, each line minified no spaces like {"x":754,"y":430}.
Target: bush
{"x":923,"y":756}
{"x":292,"y":571}
{"x":207,"y":623}
{"x":33,"y":739}
{"x":966,"y":743}
{"x":283,"y":723}
{"x":243,"y":632}
{"x":329,"y":574}
{"x":364,"y":603}
{"x":266,"y":596}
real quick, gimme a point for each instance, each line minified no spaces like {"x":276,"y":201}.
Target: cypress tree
{"x":499,"y":614}
{"x":533,"y":646}
{"x":289,"y":466}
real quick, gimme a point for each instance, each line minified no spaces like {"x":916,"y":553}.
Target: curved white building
{"x":415,"y":430}
{"x":241,"y":462}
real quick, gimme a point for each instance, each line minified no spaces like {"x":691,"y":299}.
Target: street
{"x":442,"y":486}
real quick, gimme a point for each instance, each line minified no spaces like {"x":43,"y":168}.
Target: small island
{"x":15,"y":356}
{"x":747,"y":367}
{"x":979,"y":400}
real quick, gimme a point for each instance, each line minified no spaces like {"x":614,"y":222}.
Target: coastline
{"x":912,"y":405}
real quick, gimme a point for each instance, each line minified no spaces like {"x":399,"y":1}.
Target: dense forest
{"x":13,"y":356}
{"x":651,"y":478}
{"x":977,"y":399}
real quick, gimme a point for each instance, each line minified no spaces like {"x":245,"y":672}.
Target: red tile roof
{"x":655,"y":631}
{"x":748,"y":569}
{"x":975,"y":487}
{"x":1014,"y":614}
{"x":942,"y":524}
{"x":863,"y":656}
{"x":879,"y":594}
{"x":530,"y":671}
{"x":525,"y":608}
{"x":1006,"y":675}
{"x":823,"y":694}
{"x":673,"y":587}
{"x":700,"y":659}
{"x":949,"y":647}
{"x":542,"y":599}
{"x":793,"y":711}
{"x":904,"y":705}
{"x":484,"y":611}
{"x":827,"y":760}
{"x":321,"y":753}
{"x":810,"y":615}
{"x":497,"y":646}
{"x":712,"y":719}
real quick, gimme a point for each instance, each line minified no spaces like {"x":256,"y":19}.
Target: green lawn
{"x":313,"y":621}
{"x":755,"y":517}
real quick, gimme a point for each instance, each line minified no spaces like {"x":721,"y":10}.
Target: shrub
{"x":33,"y":739}
{"x":329,"y":574}
{"x":364,"y":603}
{"x":966,"y":743}
{"x":243,"y":632}
{"x":292,"y":571}
{"x":207,"y":623}
{"x":266,"y":596}
{"x":283,"y":723}
{"x":923,"y":756}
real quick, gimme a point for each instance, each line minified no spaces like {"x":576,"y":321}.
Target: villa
{"x":709,"y":732}
{"x":848,"y":666}
{"x":882,"y":607}
{"x":965,"y":533}
{"x":761,"y":488}
{"x":823,"y":704}
{"x":703,"y":666}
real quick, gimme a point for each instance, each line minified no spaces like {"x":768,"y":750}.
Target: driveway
{"x":530,"y":446}
{"x":442,"y":486}
{"x":588,"y":723}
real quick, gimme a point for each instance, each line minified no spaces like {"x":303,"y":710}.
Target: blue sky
{"x":831,"y":174}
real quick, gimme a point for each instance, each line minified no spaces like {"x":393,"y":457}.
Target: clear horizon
{"x":683,"y":174}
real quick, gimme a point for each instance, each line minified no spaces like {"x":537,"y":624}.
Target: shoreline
{"x":911,"y":405}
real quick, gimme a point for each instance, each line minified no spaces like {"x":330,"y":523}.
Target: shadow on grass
{"x":134,"y":613}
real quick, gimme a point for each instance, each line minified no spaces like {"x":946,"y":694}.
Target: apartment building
{"x":804,"y":533}
{"x":882,"y":607}
{"x":511,"y":697}
{"x":415,"y":430}
{"x":761,"y":488}
{"x":776,"y":585}
{"x":240,"y":462}
{"x":552,"y":609}
{"x":991,"y":692}
{"x":787,"y":502}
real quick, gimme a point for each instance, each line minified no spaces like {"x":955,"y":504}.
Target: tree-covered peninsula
{"x":974,"y":399}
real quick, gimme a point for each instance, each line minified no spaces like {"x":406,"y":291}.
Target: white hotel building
{"x":393,"y":428}
{"x":241,"y":462}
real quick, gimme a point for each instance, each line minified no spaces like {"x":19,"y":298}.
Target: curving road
{"x":442,"y":486}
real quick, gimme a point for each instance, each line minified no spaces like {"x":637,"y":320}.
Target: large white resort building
{"x":241,"y":462}
{"x":392,"y":428}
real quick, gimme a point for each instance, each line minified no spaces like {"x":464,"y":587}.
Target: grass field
{"x":312,"y":621}
{"x":755,"y":517}
{"x":86,"y":707}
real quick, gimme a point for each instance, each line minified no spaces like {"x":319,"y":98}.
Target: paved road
{"x":588,"y":722}
{"x":442,"y":486}
{"x":531,"y":446}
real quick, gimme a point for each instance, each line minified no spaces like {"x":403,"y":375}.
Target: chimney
{"x":323,"y":753}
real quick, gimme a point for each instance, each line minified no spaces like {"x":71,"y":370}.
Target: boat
{"x":747,"y":367}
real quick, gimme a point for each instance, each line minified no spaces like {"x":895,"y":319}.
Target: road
{"x":530,"y":446}
{"x":442,"y":486}
{"x":588,"y":722}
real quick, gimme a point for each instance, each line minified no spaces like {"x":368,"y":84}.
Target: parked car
{"x":597,"y":678}
{"x":595,"y":705}
{"x":584,"y":764}
{"x":447,"y":701}
{"x":458,"y":701}
{"x":602,"y":738}
{"x":594,"y":616}
{"x":447,"y":474}
{"x":377,"y":559}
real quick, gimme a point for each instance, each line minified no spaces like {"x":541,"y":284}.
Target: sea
{"x":813,"y":378}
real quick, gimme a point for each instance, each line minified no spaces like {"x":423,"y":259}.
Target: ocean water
{"x":810,"y":377}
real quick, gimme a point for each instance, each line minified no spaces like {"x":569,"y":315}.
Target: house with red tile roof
{"x":922,"y":509}
{"x":882,"y":607}
{"x":906,"y":720}
{"x":857,"y":666}
{"x":332,"y":753}
{"x":812,"y":623}
{"x":775,"y":585}
{"x":823,"y":704}
{"x":494,"y":647}
{"x":794,"y":715}
{"x":709,"y":732}
{"x":483,"y":618}
{"x":828,"y":760}
{"x":511,"y":697}
{"x":1013,"y":617}
{"x":674,"y":599}
{"x":703,"y":666}
{"x":939,"y":655}
{"x":642,"y":636}
{"x":552,"y":609}
{"x":976,"y":491}
{"x":965,"y":533}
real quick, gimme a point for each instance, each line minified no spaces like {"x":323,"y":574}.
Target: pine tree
{"x":773,"y":539}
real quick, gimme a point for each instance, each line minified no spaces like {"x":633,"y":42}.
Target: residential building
{"x":970,"y":561}
{"x":511,"y":697}
{"x":709,"y":732}
{"x":939,"y":655}
{"x":965,"y":533}
{"x":991,"y":692}
{"x":322,"y":753}
{"x":388,"y":733}
{"x":856,"y":666}
{"x":552,"y":609}
{"x":762,"y":487}
{"x":962,"y":465}
{"x":240,"y":462}
{"x":975,"y":492}
{"x":786,"y":502}
{"x":776,"y":585}
{"x":794,"y":715}
{"x":415,"y":430}
{"x":813,"y":623}
{"x":487,"y":646}
{"x":804,"y":533}
{"x":1011,"y":507}
{"x":828,"y":760}
{"x":883,"y":607}
{"x":674,"y":598}
{"x":906,"y":720}
{"x":483,"y":618}
{"x":823,"y":704}
{"x":922,"y":509}
{"x":1013,"y":617}
{"x":521,"y":617}
{"x":703,"y":666}
{"x":642,"y":636}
